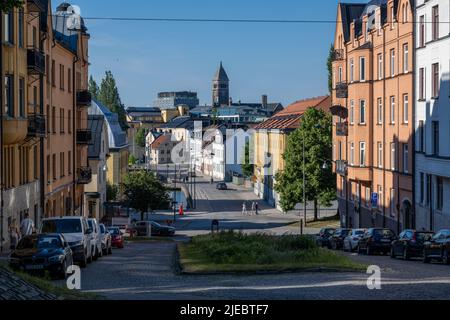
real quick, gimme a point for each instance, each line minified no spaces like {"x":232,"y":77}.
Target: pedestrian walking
{"x":256,"y":208}
{"x":14,"y":235}
{"x":244,"y":209}
{"x":27,"y":226}
{"x":253,"y":208}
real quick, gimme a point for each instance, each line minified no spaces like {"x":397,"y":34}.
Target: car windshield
{"x":102,"y":229}
{"x":114,"y":231}
{"x":382,"y":233}
{"x":358,"y":232}
{"x":424,"y":236}
{"x":91,"y":224}
{"x":155,"y":224}
{"x":39,"y":243}
{"x":62,"y":226}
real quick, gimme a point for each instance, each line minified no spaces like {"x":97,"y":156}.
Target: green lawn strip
{"x":46,"y":285}
{"x":235,"y":256}
{"x":148,"y":239}
{"x":327,"y":222}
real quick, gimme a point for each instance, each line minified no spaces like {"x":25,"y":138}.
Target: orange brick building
{"x":373,"y":114}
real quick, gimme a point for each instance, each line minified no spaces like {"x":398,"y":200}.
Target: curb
{"x":250,"y":273}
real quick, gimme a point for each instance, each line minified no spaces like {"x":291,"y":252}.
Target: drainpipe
{"x":74,"y":131}
{"x":386,"y":146}
{"x":413,"y":151}
{"x":41,"y":139}
{"x":1,"y":133}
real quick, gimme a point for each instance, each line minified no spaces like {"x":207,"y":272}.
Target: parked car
{"x":352,"y":240}
{"x":438,"y":248}
{"x":410,"y":244}
{"x":76,"y":232}
{"x":142,"y":228}
{"x":126,"y":230}
{"x":43,"y":252}
{"x":323,"y":237}
{"x":116,"y":237}
{"x":376,"y":240}
{"x":337,"y":239}
{"x":105,"y":238}
{"x":159,"y":230}
{"x":96,"y":241}
{"x":222,"y":186}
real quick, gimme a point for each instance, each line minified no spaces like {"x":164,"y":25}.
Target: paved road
{"x":145,"y":271}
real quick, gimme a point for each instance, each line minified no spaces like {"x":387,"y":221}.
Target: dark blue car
{"x":43,"y":252}
{"x":376,"y":240}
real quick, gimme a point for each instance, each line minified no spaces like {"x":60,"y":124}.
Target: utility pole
{"x":304,"y":181}
{"x":1,"y":133}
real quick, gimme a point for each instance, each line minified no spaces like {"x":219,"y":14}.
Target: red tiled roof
{"x":163,"y":139}
{"x":289,"y":118}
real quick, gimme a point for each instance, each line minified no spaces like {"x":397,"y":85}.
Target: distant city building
{"x":221,"y":88}
{"x":171,"y":100}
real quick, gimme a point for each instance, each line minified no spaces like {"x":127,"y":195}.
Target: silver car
{"x":96,"y":240}
{"x":351,"y":241}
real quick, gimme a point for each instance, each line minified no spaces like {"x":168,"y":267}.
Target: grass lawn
{"x":328,"y":222}
{"x":149,"y":239}
{"x":46,"y":285}
{"x":230,"y":252}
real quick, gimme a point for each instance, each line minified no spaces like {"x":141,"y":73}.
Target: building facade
{"x":373,"y":107}
{"x":432,"y":116}
{"x":171,"y":100}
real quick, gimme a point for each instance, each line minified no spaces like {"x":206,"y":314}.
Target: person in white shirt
{"x":27,"y":226}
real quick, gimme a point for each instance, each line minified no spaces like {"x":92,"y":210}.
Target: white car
{"x":77,"y":233}
{"x":96,"y":240}
{"x":351,"y":241}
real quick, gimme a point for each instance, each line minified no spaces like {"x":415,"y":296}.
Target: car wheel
{"x":84,"y":262}
{"x":334,"y":245}
{"x":96,"y":254}
{"x":359,"y":249}
{"x":110,"y":250}
{"x":100,"y":252}
{"x":63,"y":273}
{"x":393,"y":253}
{"x":426,"y":259}
{"x":406,"y":255}
{"x":90,"y":259}
{"x":368,"y":251}
{"x":445,"y":257}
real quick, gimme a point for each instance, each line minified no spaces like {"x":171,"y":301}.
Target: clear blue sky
{"x":285,"y":61}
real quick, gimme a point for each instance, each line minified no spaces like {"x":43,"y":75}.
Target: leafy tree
{"x":132,"y":160}
{"x":6,"y":5}
{"x":109,"y":96}
{"x":330,"y":68}
{"x":140,"y":137}
{"x":247,"y":167}
{"x":143,"y":192}
{"x":93,"y":88}
{"x":316,"y":128}
{"x":112,"y":191}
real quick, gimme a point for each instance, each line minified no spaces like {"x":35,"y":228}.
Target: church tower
{"x":221,"y":88}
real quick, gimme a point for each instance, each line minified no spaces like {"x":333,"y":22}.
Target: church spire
{"x":221,"y":89}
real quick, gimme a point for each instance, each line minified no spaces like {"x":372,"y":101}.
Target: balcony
{"x":342,"y":129}
{"x":341,"y":167}
{"x":36,"y":5}
{"x":36,"y":126}
{"x":36,"y":62}
{"x":84,"y":175}
{"x":84,"y":98}
{"x":84,"y":137}
{"x":341,"y":90}
{"x":338,"y":54}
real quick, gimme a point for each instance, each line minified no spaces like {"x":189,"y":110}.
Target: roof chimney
{"x":264,"y":101}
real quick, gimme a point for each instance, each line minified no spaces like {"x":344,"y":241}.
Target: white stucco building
{"x":432,"y":115}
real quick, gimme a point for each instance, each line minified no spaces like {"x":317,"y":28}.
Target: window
{"x":368,"y":197}
{"x":35,"y":98}
{"x":362,"y":69}
{"x":69,"y":162}
{"x":62,"y":164}
{"x":421,"y":84}
{"x":48,"y":169}
{"x":9,"y":95}
{"x":439,"y":193}
{"x":392,"y":62}
{"x":435,"y":128}
{"x":9,"y":27}
{"x":422,"y":31}
{"x":380,"y":66}
{"x":428,"y":191}
{"x":352,"y":70}
{"x":362,"y":112}
{"x":61,"y":120}
{"x":35,"y":38}
{"x":380,"y":154}
{"x":69,"y":80}
{"x":21,"y":97}
{"x":405,"y":58}
{"x":405,"y":108}
{"x":393,"y":156}
{"x":61,"y":77}
{"x":362,"y":154}
{"x":35,"y":163}
{"x":21,"y":28}
{"x":54,"y":120}
{"x":54,"y":166}
{"x":392,"y":113}
{"x":69,"y":121}
{"x":48,"y":119}
{"x":53,"y":73}
{"x":435,"y":22}
{"x":422,"y":187}
{"x":435,"y":80}
{"x":340,"y":75}
{"x":379,"y":111}
{"x":392,"y":17}
{"x":352,"y":153}
{"x":405,"y":158}
{"x":421,"y":136}
{"x":392,"y":203}
{"x":380,"y":197}
{"x":352,"y":112}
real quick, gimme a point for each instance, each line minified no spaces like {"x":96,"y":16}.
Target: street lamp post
{"x":304,"y":182}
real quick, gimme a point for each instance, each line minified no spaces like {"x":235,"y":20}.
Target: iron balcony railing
{"x":341,"y":90}
{"x":36,"y":62}
{"x":36,"y":126}
{"x":36,"y":5}
{"x":84,"y":136}
{"x":84,"y":175}
{"x":342,"y":129}
{"x":84,"y":98}
{"x":338,"y":54}
{"x":341,"y":167}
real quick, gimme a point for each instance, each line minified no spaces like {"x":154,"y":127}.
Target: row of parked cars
{"x":62,"y":242}
{"x":409,"y":244}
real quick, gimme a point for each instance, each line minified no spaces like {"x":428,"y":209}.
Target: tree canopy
{"x":247,"y":167}
{"x":330,"y":68}
{"x":144,"y":192}
{"x":6,"y":5}
{"x":316,"y":128}
{"x":140,"y":137}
